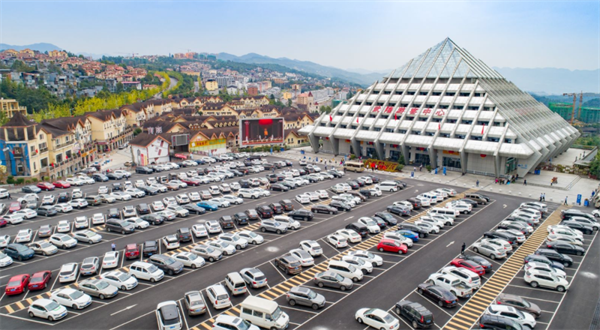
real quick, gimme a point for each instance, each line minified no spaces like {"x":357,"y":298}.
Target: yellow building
{"x":211,"y":85}
{"x":10,"y":106}
{"x":109,"y":128}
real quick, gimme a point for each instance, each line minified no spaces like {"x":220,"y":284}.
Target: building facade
{"x":9,"y":107}
{"x":446,"y":109}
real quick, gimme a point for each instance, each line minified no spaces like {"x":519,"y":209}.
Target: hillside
{"x":41,"y":47}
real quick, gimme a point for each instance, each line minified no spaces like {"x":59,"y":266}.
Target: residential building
{"x":449,"y":110}
{"x":211,"y":86}
{"x":252,"y":89}
{"x":149,"y":149}
{"x":10,"y":106}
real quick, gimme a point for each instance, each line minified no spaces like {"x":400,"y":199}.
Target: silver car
{"x":273,"y":226}
{"x":98,"y":288}
{"x":332,"y":280}
{"x":254,"y":277}
{"x":194,"y":303}
{"x":299,"y":295}
{"x":207,"y":252}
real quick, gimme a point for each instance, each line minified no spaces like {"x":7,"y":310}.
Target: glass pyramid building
{"x":445,"y":108}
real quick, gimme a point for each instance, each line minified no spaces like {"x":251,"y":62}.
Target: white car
{"x":138,"y":223}
{"x":63,"y":241}
{"x":350,"y":235}
{"x":78,"y":203}
{"x":214,"y":190}
{"x":306,"y":260}
{"x":47,"y":309}
{"x":71,"y":298}
{"x":225,"y":247}
{"x":564,"y":238}
{"x":221,"y":202}
{"x":431,"y":228}
{"x":194,"y":196}
{"x":24,"y":236}
{"x":120,"y":195}
{"x":405,"y":204}
{"x":43,"y":248}
{"x":234,"y":239}
{"x":451,"y":283}
{"x":359,"y":263}
{"x":48,"y":200}
{"x":251,"y":237}
{"x":97,"y":219}
{"x":26,"y":213}
{"x":157,"y":206}
{"x":303,"y":198}
{"x":86,"y":179}
{"x":110,"y":260}
{"x":492,"y":251}
{"x":180,"y":183}
{"x":522,"y":318}
{"x":13,"y":219}
{"x":75,"y":181}
{"x":87,"y":236}
{"x":337,"y":241}
{"x":262,"y":192}
{"x":518,"y":234}
{"x":68,"y":272}
{"x":313,"y":196}
{"x":213,"y":226}
{"x":377,"y":318}
{"x":311,"y":247}
{"x":544,"y":279}
{"x":134,"y":192}
{"x":63,"y":207}
{"x":565,"y":231}
{"x":189,"y":259}
{"x":425,"y":202}
{"x":81,"y":223}
{"x":545,"y":267}
{"x":125,"y":174}
{"x":199,"y":230}
{"x":182,"y":199}
{"x":102,"y":190}
{"x":291,"y":223}
{"x":398,"y":238}
{"x":178,"y":210}
{"x":170,"y":242}
{"x":123,"y":281}
{"x":169,"y":201}
{"x":63,"y":226}
{"x":372,"y":226}
{"x":469,"y":277}
{"x":322,"y":194}
{"x":151,"y":181}
{"x":374,"y":259}
{"x":5,"y":260}
{"x":499,"y":243}
{"x":233,"y":200}
{"x":4,"y":241}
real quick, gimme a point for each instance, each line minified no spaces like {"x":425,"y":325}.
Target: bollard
{"x":500,"y":190}
{"x":519,"y":193}
{"x":529,"y":195}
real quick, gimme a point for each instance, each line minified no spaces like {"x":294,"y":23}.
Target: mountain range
{"x":541,"y":81}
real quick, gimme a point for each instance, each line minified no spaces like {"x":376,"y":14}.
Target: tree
{"x":119,"y":87}
{"x":137,"y":131}
{"x":289,"y":102}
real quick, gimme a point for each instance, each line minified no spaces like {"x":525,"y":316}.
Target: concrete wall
{"x":482,"y":165}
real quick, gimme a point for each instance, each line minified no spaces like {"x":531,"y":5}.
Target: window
{"x":257,"y":314}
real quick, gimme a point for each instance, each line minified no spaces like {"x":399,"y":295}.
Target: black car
{"x":567,"y":214}
{"x":416,"y":203}
{"x":478,"y":260}
{"x":510,"y":238}
{"x":380,"y":222}
{"x":31,"y":189}
{"x":277,"y":208}
{"x":47,"y":210}
{"x":119,"y":226}
{"x":167,"y":264}
{"x":150,"y":248}
{"x":416,"y":314}
{"x":361,"y":182}
{"x":64,"y":197}
{"x":357,"y":194}
{"x":496,"y":322}
{"x":374,"y":178}
{"x":245,"y":183}
{"x":268,"y":167}
{"x":301,"y":214}
{"x":226,"y":222}
{"x":193,"y":208}
{"x":236,"y":172}
{"x":324,"y":209}
{"x":288,"y":162}
{"x":252,"y":214}
{"x":153,"y":219}
{"x":387,"y":217}
{"x":443,"y":297}
{"x":148,"y":190}
{"x":113,"y":214}
{"x":142,"y":208}
{"x":341,"y":206}
{"x":401,"y":184}
{"x":287,"y":185}
{"x":99,"y":177}
{"x":302,"y":171}
{"x":353,"y":184}
{"x":414,"y":228}
{"x":470,"y":201}
{"x":582,"y":227}
{"x":365,"y":192}
{"x":241,"y":218}
{"x":279,"y":187}
{"x":143,"y":170}
{"x":358,"y":227}
{"x":544,"y":260}
{"x":287,"y":204}
{"x":113,"y":176}
{"x":566,"y":248}
{"x":264,"y":211}
{"x":184,"y":234}
{"x":555,"y":256}
{"x":336,"y":174}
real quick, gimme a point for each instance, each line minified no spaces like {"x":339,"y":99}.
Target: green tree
{"x":119,"y":87}
{"x":137,"y":131}
{"x":289,"y":102}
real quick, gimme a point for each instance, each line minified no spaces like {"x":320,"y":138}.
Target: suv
{"x":150,"y":248}
{"x":414,"y":228}
{"x":541,"y":278}
{"x":289,"y":264}
{"x":555,"y":256}
{"x":93,"y":200}
{"x":119,"y":226}
{"x":301,"y":214}
{"x":287,"y":205}
{"x":113,"y":214}
{"x":358,"y":227}
{"x":142,"y":208}
{"x":264,"y":211}
{"x":167,"y":264}
{"x":273,"y":226}
{"x":184,"y":234}
{"x":226,"y":222}
{"x":252,"y":215}
{"x":277,"y":208}
{"x":241,"y":218}
{"x":488,"y":321}
{"x":415,"y":313}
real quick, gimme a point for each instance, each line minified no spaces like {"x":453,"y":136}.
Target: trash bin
{"x":537,"y":172}
{"x":586,"y":203}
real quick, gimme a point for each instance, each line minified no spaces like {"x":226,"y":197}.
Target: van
{"x":476,"y":197}
{"x":235,"y":283}
{"x":444,"y":211}
{"x":146,"y":271}
{"x":354,"y":167}
{"x":263,"y":313}
{"x":388,"y":186}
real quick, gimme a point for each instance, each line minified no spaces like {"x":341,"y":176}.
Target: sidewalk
{"x":568,"y":186}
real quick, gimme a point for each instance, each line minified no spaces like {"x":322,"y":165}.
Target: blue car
{"x":211,"y":206}
{"x":409,"y":234}
{"x":18,"y":251}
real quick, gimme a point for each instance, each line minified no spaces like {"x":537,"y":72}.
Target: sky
{"x":370,"y":35}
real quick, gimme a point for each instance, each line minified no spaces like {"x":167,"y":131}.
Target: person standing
{"x":113,"y":246}
{"x":421,"y":168}
{"x":541,"y":196}
{"x":524,"y":182}
{"x":462,"y":249}
{"x":477,"y":183}
{"x":566,"y":200}
{"x":544,"y":197}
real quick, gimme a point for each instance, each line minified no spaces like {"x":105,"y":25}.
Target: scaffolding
{"x":562,"y":109}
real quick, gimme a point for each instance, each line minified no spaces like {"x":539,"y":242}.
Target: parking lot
{"x":396,"y":279}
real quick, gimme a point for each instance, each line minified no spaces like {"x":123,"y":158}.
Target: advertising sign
{"x":261,"y":131}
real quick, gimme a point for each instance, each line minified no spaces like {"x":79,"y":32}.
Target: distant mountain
{"x":41,"y":47}
{"x":307,"y":66}
{"x":552,"y":80}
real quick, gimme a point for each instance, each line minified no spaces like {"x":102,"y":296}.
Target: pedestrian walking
{"x":462,"y":249}
{"x":414,"y":169}
{"x":113,"y":246}
{"x":10,"y":197}
{"x":421,"y":168}
{"x":543,"y":197}
{"x":477,"y":183}
{"x":524,"y":182}
{"x":566,"y":200}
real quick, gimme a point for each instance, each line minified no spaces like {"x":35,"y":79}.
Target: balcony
{"x":63,"y":145}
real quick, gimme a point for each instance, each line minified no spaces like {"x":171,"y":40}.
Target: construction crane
{"x":581,"y":95}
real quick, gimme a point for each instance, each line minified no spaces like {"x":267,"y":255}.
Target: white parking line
{"x":329,"y":290}
{"x":436,"y":305}
{"x":298,"y":309}
{"x":532,"y":288}
{"x":183,"y":313}
{"x":280,"y":273}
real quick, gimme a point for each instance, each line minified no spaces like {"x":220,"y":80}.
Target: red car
{"x":17,"y":284}
{"x":62,"y":184}
{"x":475,"y":268}
{"x":14,"y":206}
{"x":191,"y":182}
{"x":45,"y":186}
{"x":40,"y":280}
{"x":3,"y":223}
{"x":132,"y":251}
{"x":391,"y":246}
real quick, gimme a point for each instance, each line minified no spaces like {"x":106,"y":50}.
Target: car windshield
{"x":152,"y":269}
{"x":76,"y":295}
{"x":276,"y":314}
{"x":388,"y":318}
{"x":123,"y":277}
{"x":210,"y":250}
{"x":339,"y":277}
{"x":312,"y":294}
{"x":52,"y":306}
{"x":370,"y":255}
{"x":169,"y":261}
{"x":192,"y":256}
{"x":14,"y":283}
{"x":102,"y":285}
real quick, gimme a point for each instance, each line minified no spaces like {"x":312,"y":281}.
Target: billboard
{"x":261,"y":131}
